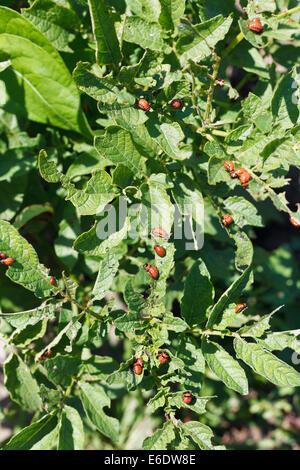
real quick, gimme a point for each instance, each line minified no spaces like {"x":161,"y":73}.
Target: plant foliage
{"x":73,"y":143}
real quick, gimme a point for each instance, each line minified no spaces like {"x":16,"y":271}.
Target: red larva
{"x":176,"y":104}
{"x":220,"y":83}
{"x":140,"y":361}
{"x":46,"y":354}
{"x":160,"y":250}
{"x":240,"y":307}
{"x":229,"y":166}
{"x":238,"y":172}
{"x":187,"y":419}
{"x":3,"y":255}
{"x":255,"y":26}
{"x":163,"y":357}
{"x":7,"y":261}
{"x":159,"y":232}
{"x":294,"y":222}
{"x":227,"y":219}
{"x":187,"y":398}
{"x":137,"y":368}
{"x":52,"y":280}
{"x":152,"y":270}
{"x":143,"y":104}
{"x":245,"y":178}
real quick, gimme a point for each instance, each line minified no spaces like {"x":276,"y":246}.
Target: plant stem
{"x":218,"y":132}
{"x":288,"y":12}
{"x":243,"y":81}
{"x":211,"y":89}
{"x":232,"y":45}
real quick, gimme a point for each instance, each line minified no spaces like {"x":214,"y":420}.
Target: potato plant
{"x":137,"y":172}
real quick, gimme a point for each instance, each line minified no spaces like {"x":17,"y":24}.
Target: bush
{"x":134,"y":123}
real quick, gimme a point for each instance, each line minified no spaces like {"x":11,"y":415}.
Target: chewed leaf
{"x":202,"y":38}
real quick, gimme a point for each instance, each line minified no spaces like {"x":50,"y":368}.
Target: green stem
{"x":211,"y":89}
{"x":232,"y":45}
{"x":288,"y":12}
{"x":243,"y":81}
{"x":218,"y":132}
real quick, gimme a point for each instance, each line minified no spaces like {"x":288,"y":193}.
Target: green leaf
{"x":61,"y":369}
{"x":158,"y":211}
{"x":225,"y":367}
{"x":244,"y":252}
{"x":41,"y":435}
{"x":198,"y":404}
{"x":69,"y":229}
{"x":71,"y":285}
{"x":71,"y":433}
{"x":146,"y":34}
{"x":202,"y":38}
{"x":29,"y":334}
{"x":133,"y":299}
{"x":174,"y":323}
{"x":198,"y":294}
{"x":95,"y":196}
{"x":48,"y":169}
{"x":171,"y":11}
{"x":22,"y":387}
{"x":266,"y":364}
{"x":94,"y":399}
{"x":41,"y":84}
{"x":99,"y":367}
{"x":21,"y":320}
{"x":70,"y":330}
{"x":190,"y":203}
{"x":168,"y":137}
{"x":200,"y":433}
{"x":252,"y":106}
{"x":26,"y":270}
{"x":122,"y":176}
{"x":157,"y":401}
{"x":161,"y":438}
{"x":278,"y":341}
{"x":107,"y":45}
{"x":119,"y":147}
{"x":258,"y":328}
{"x":145,"y":9}
{"x":257,"y":40}
{"x":107,"y":270}
{"x":29,"y":213}
{"x":284,"y":102}
{"x":101,"y":89}
{"x":97,"y":193}
{"x":243,"y":212}
{"x":229,"y":296}
{"x":130,"y":322}
{"x":124,"y":375}
{"x":4,"y":64}
{"x":89,"y":243}
{"x":188,"y":351}
{"x":55,"y":22}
